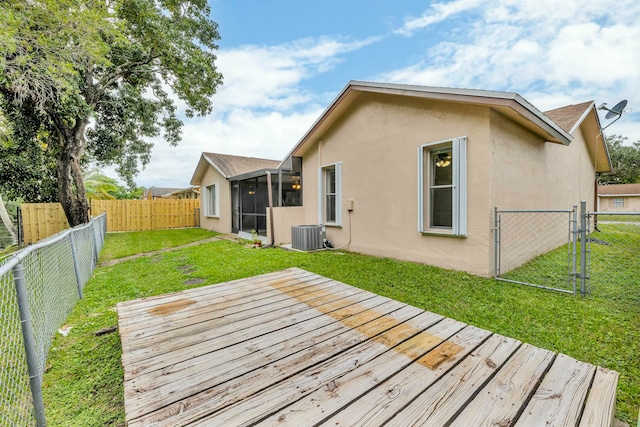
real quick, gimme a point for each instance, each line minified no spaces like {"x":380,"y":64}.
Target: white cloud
{"x":242,"y":132}
{"x":269,"y":76}
{"x":552,"y":53}
{"x":261,"y":110}
{"x":438,"y":12}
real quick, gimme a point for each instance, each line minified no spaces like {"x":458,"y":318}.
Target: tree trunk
{"x":70,"y":184}
{"x":4,"y":216}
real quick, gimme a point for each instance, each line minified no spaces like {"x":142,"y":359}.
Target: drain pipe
{"x":270,"y":193}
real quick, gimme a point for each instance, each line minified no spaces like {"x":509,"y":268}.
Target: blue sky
{"x":284,"y":61}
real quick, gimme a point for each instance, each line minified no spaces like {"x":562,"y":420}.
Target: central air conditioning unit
{"x":307,"y":237}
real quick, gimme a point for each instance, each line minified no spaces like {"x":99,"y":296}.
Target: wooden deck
{"x":294,"y":348}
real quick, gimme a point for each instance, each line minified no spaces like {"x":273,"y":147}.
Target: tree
{"x":625,"y":159}
{"x":27,"y":169}
{"x":6,"y":220}
{"x":101,"y":187}
{"x":93,"y":78}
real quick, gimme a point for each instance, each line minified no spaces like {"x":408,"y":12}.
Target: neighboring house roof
{"x":230,"y":166}
{"x":510,"y":104}
{"x":159,"y":191}
{"x":584,"y":116}
{"x":185,"y":190}
{"x":619,"y":190}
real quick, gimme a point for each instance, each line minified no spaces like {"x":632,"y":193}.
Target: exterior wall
{"x":631,"y":203}
{"x":222,"y":224}
{"x":377,"y":141}
{"x":530,"y":174}
{"x":283,"y":219}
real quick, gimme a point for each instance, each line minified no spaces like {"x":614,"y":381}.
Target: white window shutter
{"x":421,"y":196}
{"x":460,"y":186}
{"x":339,"y":193}
{"x":320,"y":195}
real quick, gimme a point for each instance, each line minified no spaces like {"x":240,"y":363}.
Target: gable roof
{"x":509,"y":104}
{"x":159,"y":191}
{"x":619,"y":190}
{"x":569,"y":117}
{"x":230,"y":166}
{"x":584,"y":117}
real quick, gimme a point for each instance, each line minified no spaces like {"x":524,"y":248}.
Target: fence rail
{"x":41,"y":220}
{"x":157,"y":214}
{"x":38,"y":288}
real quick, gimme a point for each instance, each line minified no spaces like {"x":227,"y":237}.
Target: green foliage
{"x":27,"y":168}
{"x":84,"y":384}
{"x":625,"y":159}
{"x":101,"y":187}
{"x":89,"y":81}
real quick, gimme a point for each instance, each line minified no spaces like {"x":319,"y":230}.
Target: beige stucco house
{"x":234,"y":193}
{"x":414,"y":172}
{"x":619,"y":198}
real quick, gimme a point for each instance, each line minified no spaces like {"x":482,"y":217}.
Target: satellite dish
{"x":616,"y":110}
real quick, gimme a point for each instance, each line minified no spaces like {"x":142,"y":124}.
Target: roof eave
{"x":512,"y":100}
{"x":252,"y":174}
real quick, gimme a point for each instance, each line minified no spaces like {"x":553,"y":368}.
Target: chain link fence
{"x":536,"y":248}
{"x":39,"y":287}
{"x":567,"y":252}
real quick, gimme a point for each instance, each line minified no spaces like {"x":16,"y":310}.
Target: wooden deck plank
{"x":500,"y":401}
{"x":295,"y":348}
{"x":316,"y":376}
{"x":345,"y":350}
{"x":258,"y":293}
{"x":560,"y":397}
{"x":243,"y":309}
{"x":366,"y":395}
{"x":436,"y":405}
{"x":601,"y":403}
{"x":385,"y":400}
{"x":320,"y":352}
{"x":203,"y":329}
{"x":196,"y":368}
{"x":228,"y":335}
{"x":234,"y":286}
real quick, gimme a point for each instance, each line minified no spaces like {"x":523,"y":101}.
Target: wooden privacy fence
{"x":139,"y":215}
{"x":40,"y":220}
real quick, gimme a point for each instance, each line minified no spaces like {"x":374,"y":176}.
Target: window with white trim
{"x":330,"y":194}
{"x":618,"y":202}
{"x":211,"y":203}
{"x":442,"y":198}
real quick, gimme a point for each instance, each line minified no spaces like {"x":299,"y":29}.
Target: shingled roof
{"x":567,"y":117}
{"x":618,"y":189}
{"x":229,"y":165}
{"x":158,"y":191}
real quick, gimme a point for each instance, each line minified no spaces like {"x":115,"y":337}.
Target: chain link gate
{"x":537,"y":248}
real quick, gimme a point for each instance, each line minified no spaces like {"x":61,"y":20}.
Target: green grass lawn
{"x":83,"y":382}
{"x":121,"y":245}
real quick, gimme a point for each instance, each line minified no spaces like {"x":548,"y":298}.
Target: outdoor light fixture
{"x":296,"y":182}
{"x":251,"y":192}
{"x":444,"y":160}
